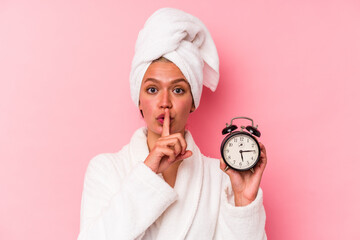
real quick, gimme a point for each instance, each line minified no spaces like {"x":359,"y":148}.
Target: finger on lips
{"x":177,"y":141}
{"x":166,"y":124}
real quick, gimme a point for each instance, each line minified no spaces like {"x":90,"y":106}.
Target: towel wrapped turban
{"x":184,"y":40}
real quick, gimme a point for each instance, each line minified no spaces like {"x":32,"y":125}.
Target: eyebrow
{"x":172,"y":82}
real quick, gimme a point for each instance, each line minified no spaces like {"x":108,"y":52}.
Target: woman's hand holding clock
{"x":168,"y":149}
{"x":245,"y":184}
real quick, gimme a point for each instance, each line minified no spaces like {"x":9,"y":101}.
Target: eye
{"x":151,"y":90}
{"x":179,"y":90}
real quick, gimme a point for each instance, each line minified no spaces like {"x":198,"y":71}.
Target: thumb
{"x":187,"y":154}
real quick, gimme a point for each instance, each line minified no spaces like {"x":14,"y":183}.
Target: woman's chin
{"x":157,"y":130}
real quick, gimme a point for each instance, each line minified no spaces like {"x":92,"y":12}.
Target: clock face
{"x":241,"y":151}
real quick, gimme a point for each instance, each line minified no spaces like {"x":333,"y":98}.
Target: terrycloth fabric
{"x":184,"y":40}
{"x":124,"y":199}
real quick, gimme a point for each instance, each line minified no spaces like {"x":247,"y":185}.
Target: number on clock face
{"x":242,"y":150}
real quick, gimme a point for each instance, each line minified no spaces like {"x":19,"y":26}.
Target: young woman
{"x":160,"y":186}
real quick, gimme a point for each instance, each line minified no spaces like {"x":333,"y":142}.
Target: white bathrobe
{"x":124,"y":199}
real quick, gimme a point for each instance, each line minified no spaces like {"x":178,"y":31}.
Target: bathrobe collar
{"x":177,"y":218}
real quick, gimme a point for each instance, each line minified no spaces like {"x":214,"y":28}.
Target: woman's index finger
{"x":166,"y":124}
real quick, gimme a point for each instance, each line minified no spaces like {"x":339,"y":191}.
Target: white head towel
{"x":182,"y":39}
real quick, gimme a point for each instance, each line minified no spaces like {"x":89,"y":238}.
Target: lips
{"x":161,"y":118}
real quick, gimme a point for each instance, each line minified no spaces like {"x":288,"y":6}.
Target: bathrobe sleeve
{"x":112,"y":210}
{"x":247,"y":222}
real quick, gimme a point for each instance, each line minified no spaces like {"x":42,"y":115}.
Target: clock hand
{"x":242,"y":158}
{"x":248,"y":150}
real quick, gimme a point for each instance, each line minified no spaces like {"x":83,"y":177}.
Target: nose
{"x":165,"y":101}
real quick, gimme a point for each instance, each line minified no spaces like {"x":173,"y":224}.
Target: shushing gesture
{"x":168,"y":149}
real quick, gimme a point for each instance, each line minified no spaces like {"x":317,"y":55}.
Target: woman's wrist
{"x":151,"y":166}
{"x":241,"y":201}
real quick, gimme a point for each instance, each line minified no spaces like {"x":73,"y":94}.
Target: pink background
{"x":293,"y":66}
